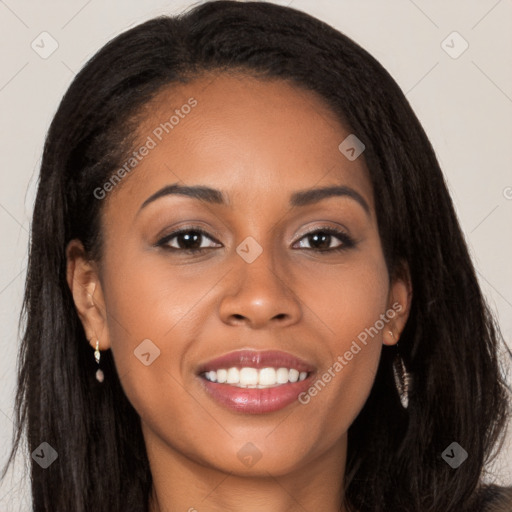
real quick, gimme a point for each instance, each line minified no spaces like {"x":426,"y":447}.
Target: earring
{"x":403,"y":379}
{"x":99,"y":372}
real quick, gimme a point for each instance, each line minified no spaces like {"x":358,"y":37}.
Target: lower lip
{"x":253,"y":400}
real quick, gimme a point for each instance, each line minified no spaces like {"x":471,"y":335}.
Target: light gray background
{"x":464,"y":104}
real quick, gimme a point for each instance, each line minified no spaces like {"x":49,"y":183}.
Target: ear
{"x":83,"y":280}
{"x":399,"y":305}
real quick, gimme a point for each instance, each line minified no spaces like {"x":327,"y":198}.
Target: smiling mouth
{"x":255,"y":382}
{"x":259,"y":378}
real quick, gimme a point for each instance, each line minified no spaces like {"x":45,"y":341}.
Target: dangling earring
{"x":403,"y":380}
{"x":99,"y":372}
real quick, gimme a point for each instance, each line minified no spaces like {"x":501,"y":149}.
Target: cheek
{"x":348,"y":298}
{"x":154,"y":313}
{"x":352,"y":310}
{"x":167,"y":305}
{"x":148,"y":297}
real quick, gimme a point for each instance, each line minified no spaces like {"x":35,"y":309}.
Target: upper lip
{"x":257,"y":359}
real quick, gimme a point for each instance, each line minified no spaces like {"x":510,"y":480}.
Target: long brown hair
{"x":450,"y":343}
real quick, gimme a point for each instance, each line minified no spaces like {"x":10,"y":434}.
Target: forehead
{"x":257,"y":139}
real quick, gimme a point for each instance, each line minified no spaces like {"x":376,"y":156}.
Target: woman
{"x":248,"y":288}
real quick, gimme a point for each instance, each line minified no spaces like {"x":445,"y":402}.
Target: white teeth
{"x":267,"y":376}
{"x":294,"y":376}
{"x":248,"y":377}
{"x":233,"y":376}
{"x":282,"y":375}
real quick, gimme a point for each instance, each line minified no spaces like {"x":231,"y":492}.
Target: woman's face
{"x":260,"y":283}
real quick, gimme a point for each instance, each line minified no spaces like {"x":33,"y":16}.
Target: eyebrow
{"x":299,"y":198}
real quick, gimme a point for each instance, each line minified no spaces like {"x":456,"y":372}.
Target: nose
{"x":259,"y":295}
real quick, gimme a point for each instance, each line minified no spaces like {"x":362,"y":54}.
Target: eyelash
{"x":346,"y":241}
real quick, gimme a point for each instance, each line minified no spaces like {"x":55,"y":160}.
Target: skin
{"x":258,"y":142}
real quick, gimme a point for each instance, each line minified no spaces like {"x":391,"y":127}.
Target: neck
{"x":180,"y":484}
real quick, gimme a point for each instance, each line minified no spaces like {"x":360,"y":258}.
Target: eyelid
{"x":325,"y":227}
{"x":165,"y":239}
{"x":346,"y":241}
{"x":208,"y":231}
{"x":203,"y":231}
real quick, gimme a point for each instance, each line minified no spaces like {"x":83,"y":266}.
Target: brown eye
{"x":321,"y":240}
{"x":187,"y":240}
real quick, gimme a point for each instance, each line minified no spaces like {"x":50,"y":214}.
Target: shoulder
{"x":493,"y":498}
